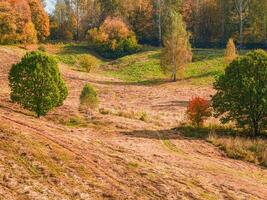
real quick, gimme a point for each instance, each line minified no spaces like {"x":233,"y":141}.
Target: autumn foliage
{"x":22,"y":21}
{"x":40,"y":19}
{"x":113,"y":38}
{"x":198,"y":110}
{"x":230,"y":53}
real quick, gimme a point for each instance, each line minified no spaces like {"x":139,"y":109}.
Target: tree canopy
{"x":242,"y":92}
{"x":23,"y":21}
{"x":36,"y":83}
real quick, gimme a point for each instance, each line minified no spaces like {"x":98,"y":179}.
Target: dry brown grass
{"x":252,"y":150}
{"x":115,"y":157}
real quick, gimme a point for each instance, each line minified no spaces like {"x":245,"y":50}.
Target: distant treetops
{"x":23,"y":21}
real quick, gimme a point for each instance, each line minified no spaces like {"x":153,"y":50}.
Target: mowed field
{"x":130,"y":149}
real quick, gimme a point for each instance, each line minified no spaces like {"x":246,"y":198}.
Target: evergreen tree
{"x":36,"y":83}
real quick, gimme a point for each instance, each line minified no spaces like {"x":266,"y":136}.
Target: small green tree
{"x":177,"y":49}
{"x":88,"y":97}
{"x":230,"y":53}
{"x":242,"y":92}
{"x":36,"y":83}
{"x":88,"y":63}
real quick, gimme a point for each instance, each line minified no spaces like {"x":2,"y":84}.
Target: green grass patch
{"x":140,"y":67}
{"x":205,"y":71}
{"x":75,"y":122}
{"x":78,"y":55}
{"x":145,"y":67}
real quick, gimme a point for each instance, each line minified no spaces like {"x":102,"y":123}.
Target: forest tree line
{"x":210,"y":22}
{"x":23,"y":21}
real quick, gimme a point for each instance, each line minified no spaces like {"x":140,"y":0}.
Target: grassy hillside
{"x":130,"y":148}
{"x":142,"y":67}
{"x":145,"y":67}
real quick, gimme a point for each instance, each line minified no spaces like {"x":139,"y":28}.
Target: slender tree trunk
{"x":241,"y":30}
{"x":174,"y":65}
{"x":241,"y":6}
{"x":159,"y":22}
{"x":196,"y":27}
{"x":223,"y":20}
{"x":77,"y":18}
{"x":265,"y":30}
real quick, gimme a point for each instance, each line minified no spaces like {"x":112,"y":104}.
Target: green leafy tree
{"x":177,"y":49}
{"x":36,"y":83}
{"x":242,"y":92}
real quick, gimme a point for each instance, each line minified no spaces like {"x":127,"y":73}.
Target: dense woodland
{"x":210,"y":22}
{"x":23,"y":21}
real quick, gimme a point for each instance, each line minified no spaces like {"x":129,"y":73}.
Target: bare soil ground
{"x":114,"y":157}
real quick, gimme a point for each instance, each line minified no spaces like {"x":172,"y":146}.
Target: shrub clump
{"x":113,"y":39}
{"x":36,"y":83}
{"x":230,"y":53}
{"x":88,"y":63}
{"x":198,"y":110}
{"x":88,"y":98}
{"x":242,"y":92}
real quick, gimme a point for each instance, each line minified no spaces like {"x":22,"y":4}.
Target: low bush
{"x":198,"y":110}
{"x":113,"y":39}
{"x":88,"y":98}
{"x":88,"y":63}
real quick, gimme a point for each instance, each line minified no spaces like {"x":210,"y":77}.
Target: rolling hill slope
{"x":116,"y":155}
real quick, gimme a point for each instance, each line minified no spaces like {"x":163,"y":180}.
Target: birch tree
{"x":177,"y":49}
{"x":242,"y":11}
{"x":159,"y":21}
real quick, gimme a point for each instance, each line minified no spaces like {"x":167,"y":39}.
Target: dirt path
{"x":125,"y":158}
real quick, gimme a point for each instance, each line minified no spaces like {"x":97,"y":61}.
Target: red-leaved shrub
{"x":198,"y":110}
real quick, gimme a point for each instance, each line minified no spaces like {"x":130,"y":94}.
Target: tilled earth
{"x":115,"y":156}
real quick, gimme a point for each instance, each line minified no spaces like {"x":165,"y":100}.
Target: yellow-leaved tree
{"x":176,"y":52}
{"x":230,"y":53}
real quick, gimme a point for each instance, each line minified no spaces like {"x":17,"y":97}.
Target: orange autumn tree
{"x":113,"y":38}
{"x":7,"y":22}
{"x":40,"y":19}
{"x":22,"y":23}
